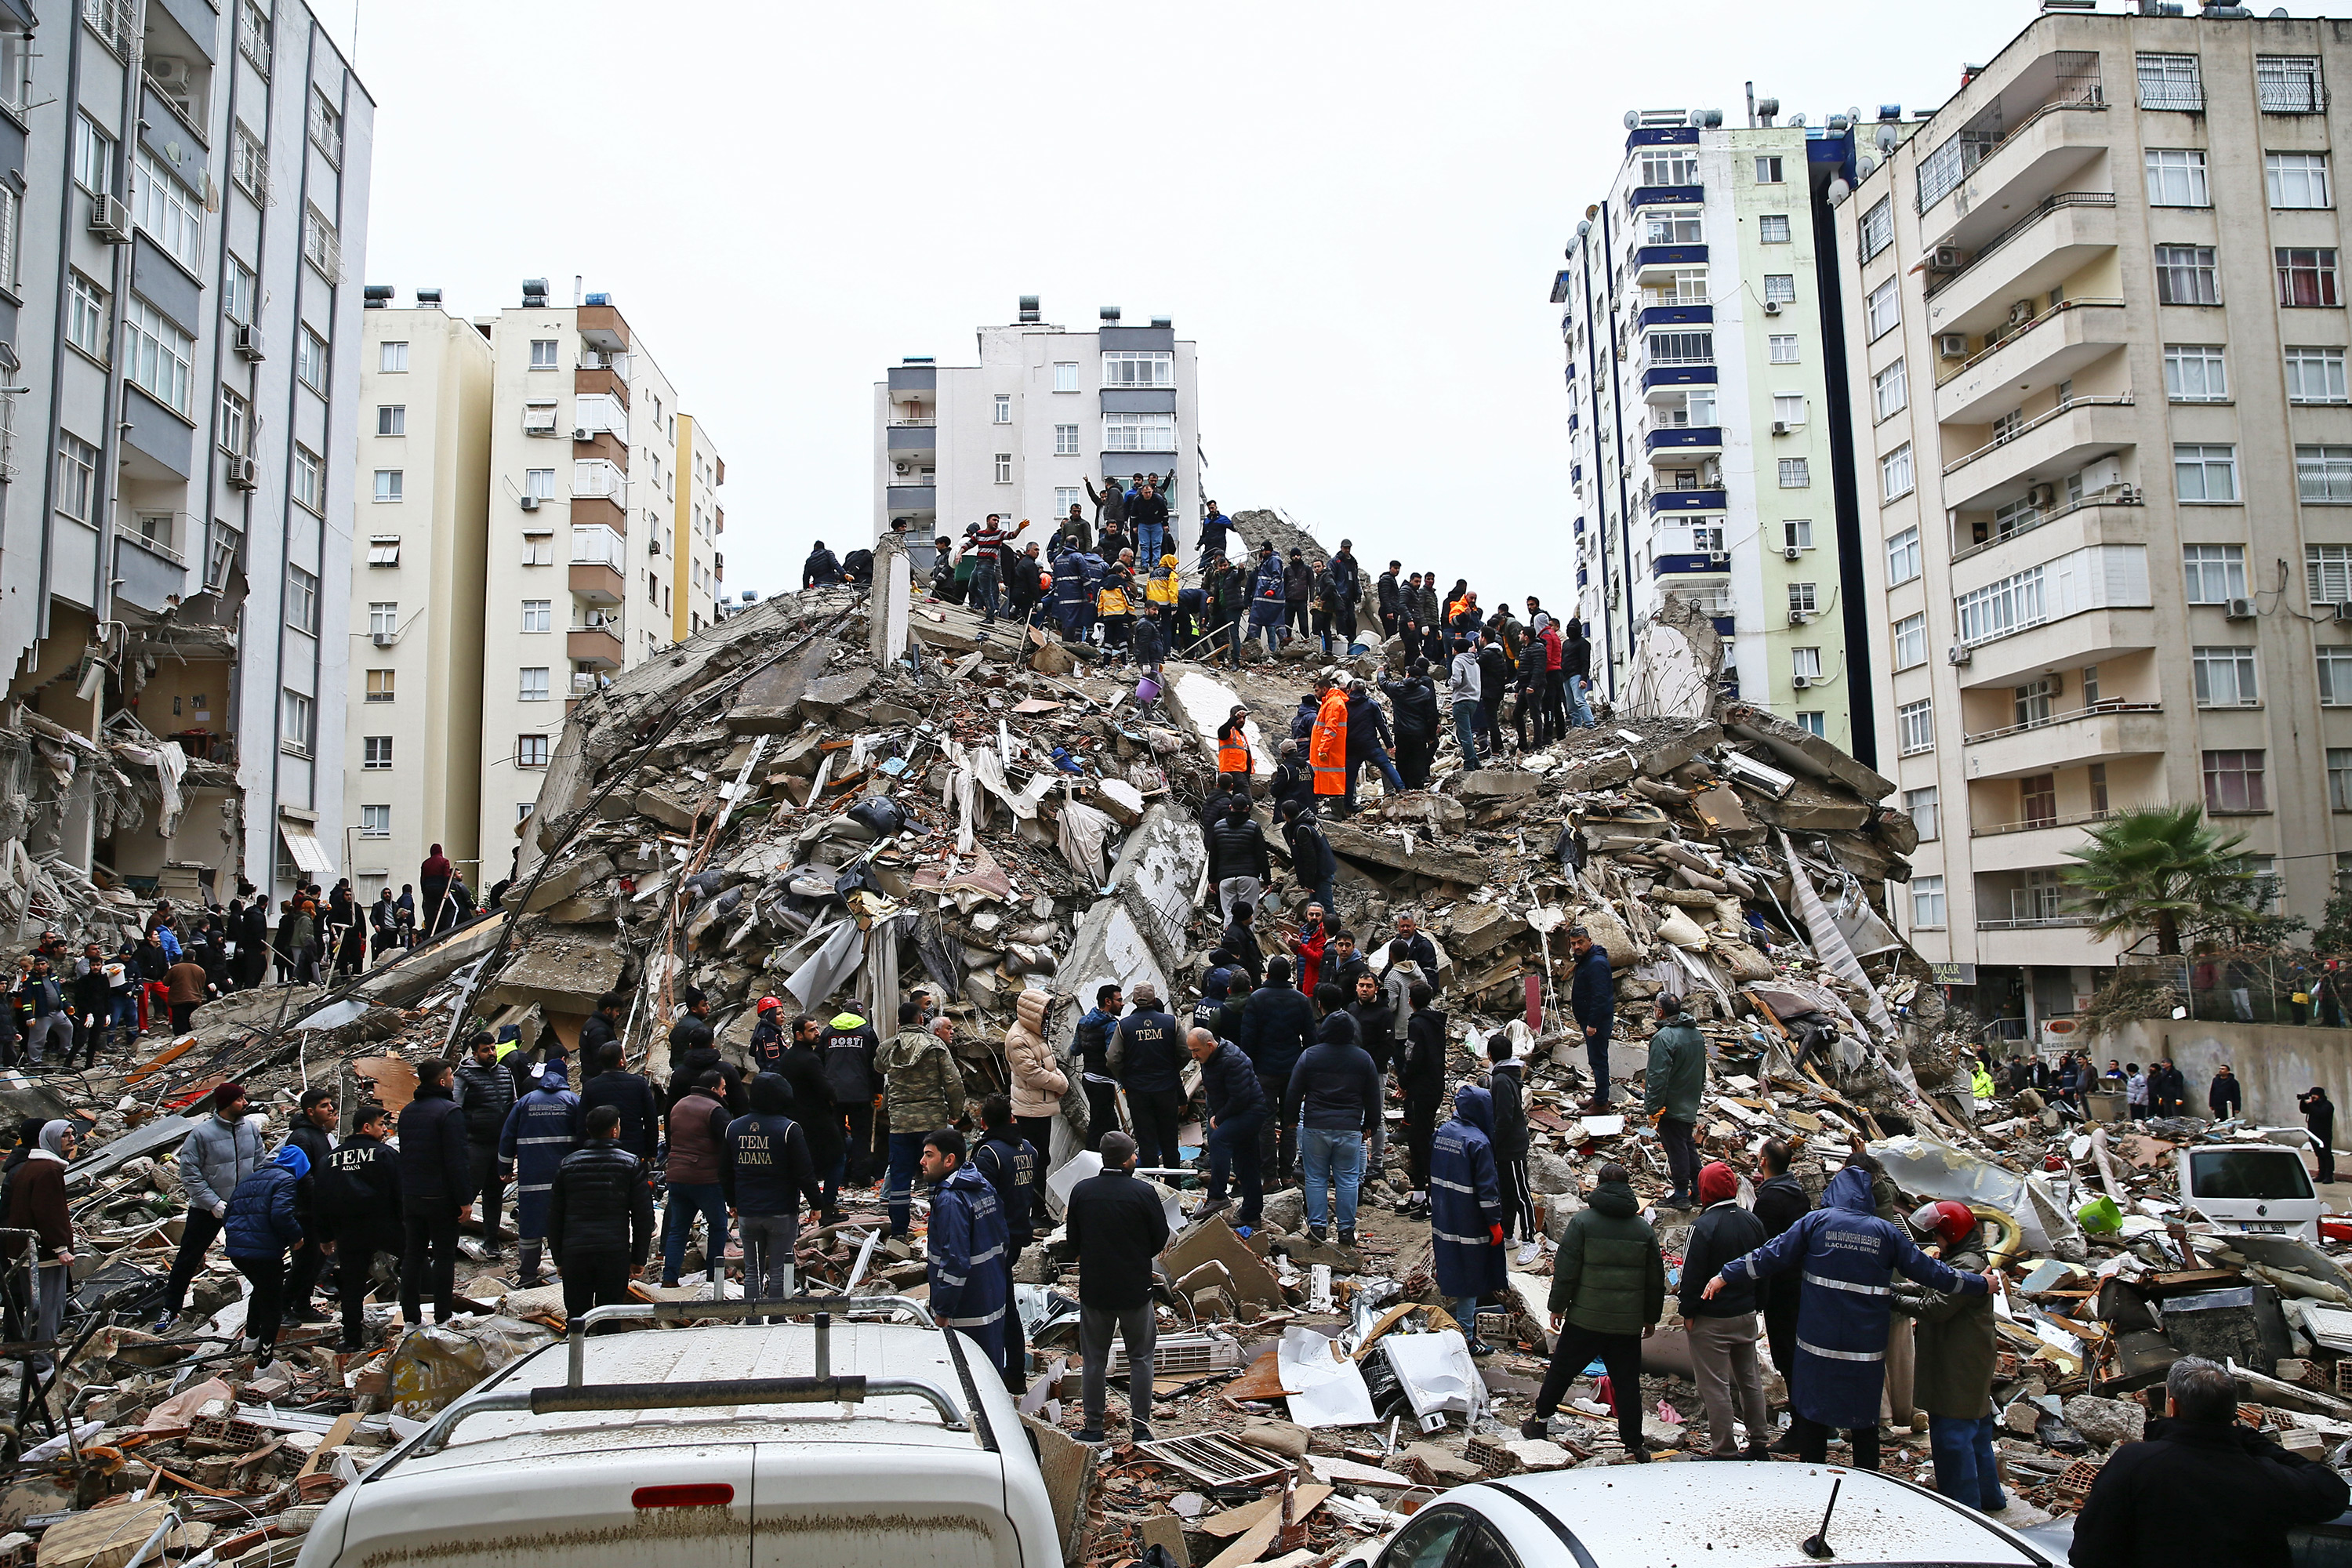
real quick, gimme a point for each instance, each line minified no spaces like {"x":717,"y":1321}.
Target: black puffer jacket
{"x":1416,"y":707}
{"x":485,"y":1094}
{"x":1236,"y":850}
{"x":601,"y":1202}
{"x":433,"y":1159}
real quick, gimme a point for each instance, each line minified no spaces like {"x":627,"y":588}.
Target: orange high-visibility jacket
{"x":1327,"y":747}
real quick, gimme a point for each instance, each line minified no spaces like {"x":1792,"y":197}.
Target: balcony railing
{"x":1994,"y":346}
{"x":2067,"y":717}
{"x":252,"y":42}
{"x":2034,"y":922}
{"x":1942,"y":171}
{"x":2041,"y":209}
{"x":2081,"y":819}
{"x":2292,"y":95}
{"x":2112,"y":495}
{"x":2112,"y":400}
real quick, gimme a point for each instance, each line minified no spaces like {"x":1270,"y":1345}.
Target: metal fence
{"x":2301,"y":989}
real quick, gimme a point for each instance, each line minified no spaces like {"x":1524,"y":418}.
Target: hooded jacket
{"x":1848,"y":1256}
{"x":214,"y":1157}
{"x":2201,"y":1491}
{"x":1334,"y":1083}
{"x":965,"y":1248}
{"x":923,"y":1086}
{"x":1466,"y":1203}
{"x":1038,"y":1081}
{"x":263,"y":1220}
{"x":813,"y":1107}
{"x":1416,"y":707}
{"x":1274,"y":1027}
{"x":1608,"y":1277}
{"x":355,"y":1192}
{"x":1424,"y":1075}
{"x":849,"y":1046}
{"x":36,"y":1197}
{"x":1954,"y":1350}
{"x":1722,"y":1232}
{"x":1506,"y":1086}
{"x":537,"y":1136}
{"x":1367,"y":727}
{"x":764,"y":1166}
{"x":1676,"y":1076}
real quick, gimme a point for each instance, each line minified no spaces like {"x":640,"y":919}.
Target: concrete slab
{"x":1419,"y":859}
{"x":563,"y":969}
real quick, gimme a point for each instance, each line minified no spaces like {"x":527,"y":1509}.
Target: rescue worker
{"x":1151,"y":1072}
{"x":1953,"y":1358}
{"x":1017,"y":1170}
{"x":537,"y":1136}
{"x":1465,"y":1220}
{"x":356,"y":1202}
{"x":768,"y":1044}
{"x":1277,"y":1022}
{"x":765,"y":1169}
{"x":1234,"y":764}
{"x":965,"y":1247}
{"x":848,"y":1049}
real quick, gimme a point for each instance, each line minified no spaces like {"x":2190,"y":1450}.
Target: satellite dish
{"x":1865,"y":164}
{"x":1839,"y":190}
{"x":1853,"y":115}
{"x":1797,"y":120}
{"x":1583,"y":228}
{"x":1633,"y":118}
{"x":1886,"y":137}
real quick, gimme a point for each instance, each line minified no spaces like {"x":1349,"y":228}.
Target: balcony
{"x":2074,"y":738}
{"x":2061,"y":940}
{"x":1654,"y":264}
{"x":2059,"y":641}
{"x":2034,"y":356}
{"x":911,"y":500}
{"x":2103,"y":518}
{"x":1699,"y":563}
{"x":2041,"y":152}
{"x":914,"y":443}
{"x":2063,"y":234}
{"x":2048,"y":446}
{"x":148,"y":574}
{"x":1677,"y":445}
{"x":1676,"y":316}
{"x":2021,"y":846}
{"x":596,"y":582}
{"x":1663,"y":502}
{"x":594,"y":645}
{"x":1666,"y":197}
{"x":1663,"y":382}
{"x":588,"y":381}
{"x":612,"y":447}
{"x":912,"y":378}
{"x":603,"y":329}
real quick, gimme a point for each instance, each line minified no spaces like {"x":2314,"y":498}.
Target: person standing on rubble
{"x":356,"y":1212}
{"x":1368,"y":740}
{"x":1096,"y":1074}
{"x":263,"y":1220}
{"x":600,"y":1216}
{"x":93,"y":1003}
{"x":765,"y":1169}
{"x":1327,"y":744}
{"x":1306,"y":947}
{"x":964,"y":1245}
{"x":813,"y":1109}
{"x":1781,"y":1201}
{"x":36,"y":1203}
{"x":1507,"y":1088}
{"x":697,"y":1127}
{"x":1337,"y":1092}
{"x":629,"y":1095}
{"x":1017,"y":1170}
{"x":821,"y":569}
{"x":1954,"y":1356}
{"x":1276,"y":1025}
{"x":1593,"y":1003}
{"x":1117,"y":1226}
{"x":1671,"y":1085}
{"x":45,"y":1006}
{"x":1422,"y":1082}
{"x":433,"y":888}
{"x":1723,"y":1331}
{"x":1038,"y":1081}
{"x":313,"y":1133}
{"x":1237,"y":1113}
{"x":849,"y":1049}
{"x":538,"y":1134}
{"x":435,"y":1175}
{"x":1376,"y":1032}
{"x":1576,"y":673}
{"x":1152,"y":1071}
{"x":1607,"y":1290}
{"x":2319,"y":1117}
{"x":1312,"y":864}
{"x":1462,"y":687}
{"x":1465,"y":1220}
{"x":218,"y":1153}
{"x":485,"y":1092}
{"x":1414,"y":702}
{"x":922,"y":1091}
{"x":1848,"y":1256}
{"x":2226,"y":1095}
{"x":1239,"y":941}
{"x":767,"y":1047}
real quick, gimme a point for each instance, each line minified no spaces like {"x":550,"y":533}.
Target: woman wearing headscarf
{"x":36,"y":1202}
{"x":262,"y":1224}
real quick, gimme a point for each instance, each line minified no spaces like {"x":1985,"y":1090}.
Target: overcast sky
{"x":1355,"y":210}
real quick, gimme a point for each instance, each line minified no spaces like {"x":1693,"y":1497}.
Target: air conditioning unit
{"x":1797,"y":617}
{"x":1771,"y":306}
{"x":1719,"y":558}
{"x":382,"y":639}
{"x":244,"y":473}
{"x":2042,"y":496}
{"x":582,"y":433}
{"x":1779,"y":427}
{"x":653,"y":547}
{"x":531,"y":503}
{"x":1944,"y":258}
{"x":2342,"y":613}
{"x":1799,"y":682}
{"x":1951,"y":345}
{"x":2020,"y":312}
{"x":1793,"y":552}
{"x":901,"y":467}
{"x":110,"y":220}
{"x":247,"y":340}
{"x":2240,"y":609}
{"x":1959,"y":653}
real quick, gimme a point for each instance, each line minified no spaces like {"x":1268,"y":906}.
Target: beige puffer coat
{"x":1038,"y":1081}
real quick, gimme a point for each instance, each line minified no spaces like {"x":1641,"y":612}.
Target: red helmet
{"x":1947,"y":1219}
{"x":768,"y":1004}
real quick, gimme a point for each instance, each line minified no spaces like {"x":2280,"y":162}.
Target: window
{"x":321,"y":249}
{"x":2296,"y":179}
{"x":159,"y":356}
{"x":1915,"y":725}
{"x":391,"y":358}
{"x":1883,"y":312}
{"x":252,"y":33}
{"x":2289,"y":84}
{"x":249,"y":166}
{"x":2233,"y":781}
{"x":539,"y":483}
{"x":2339,"y":782}
{"x":171,"y":214}
{"x":1814,"y":722}
{"x":2315,"y":376}
{"x":1890,"y":390}
{"x":326,"y":125}
{"x":1779,"y":288}
{"x":294,"y":721}
{"x":1670,"y":166}
{"x":1066,"y":375}
{"x":2225,"y":676}
{"x":1788,"y":408}
{"x":235,"y":421}
{"x":384,"y":550}
{"x":376,"y":755}
{"x":1139,"y":433}
{"x":2170,"y":81}
{"x":1681,"y":225}
{"x":392,"y":419}
{"x":1003,"y":467}
{"x":77,"y":476}
{"x":1797,"y":532}
{"x":1004,"y":408}
{"x":1998,"y":609}
{"x":539,"y":547}
{"x":388,"y":484}
{"x":539,"y":417}
{"x":310,"y":360}
{"x":384,"y":618}
{"x":93,"y":164}
{"x":1795,"y":475}
{"x":1066,"y":440}
{"x":2177,"y":179}
{"x":1782,"y":347}
{"x":2035,"y":701}
{"x":1768,"y":171}
{"x":1927,"y":902}
{"x":1680,"y":348}
{"x":1919,"y":805}
{"x":1064,"y":498}
{"x":2324,"y":473}
{"x":87,"y":319}
{"x":2205,"y":473}
{"x":236,"y":294}
{"x":538,"y":614}
{"x":1910,"y":641}
{"x":1877,"y":231}
{"x":532,"y":687}
{"x":1772,"y":228}
{"x":546,"y":353}
{"x":2336,"y":678}
{"x":530,"y":751}
{"x":2096,"y":772}
{"x":1895,"y":478}
{"x":2328,"y":570}
{"x":2194,"y":372}
{"x":2305,"y":275}
{"x":1804,"y":598}
{"x":302,"y":600}
{"x":2185,"y":275}
{"x":1805,"y":663}
{"x":1139,"y":367}
{"x":376,"y":821}
{"x":1903,"y":557}
{"x":2216,"y":573}
{"x":310,"y":478}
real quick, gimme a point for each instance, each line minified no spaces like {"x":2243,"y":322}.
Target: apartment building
{"x":544,"y":516}
{"x":1045,"y":412}
{"x":181,"y":345}
{"x":2099,"y":385}
{"x":1710,"y":456}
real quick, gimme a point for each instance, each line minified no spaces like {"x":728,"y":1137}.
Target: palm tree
{"x":2146,"y":866}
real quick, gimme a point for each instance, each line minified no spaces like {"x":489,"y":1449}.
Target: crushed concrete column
{"x":890,"y":613}
{"x":1135,"y":936}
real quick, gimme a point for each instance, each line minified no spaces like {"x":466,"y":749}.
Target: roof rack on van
{"x":823,"y":1308}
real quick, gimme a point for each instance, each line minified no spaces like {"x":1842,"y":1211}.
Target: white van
{"x":849,"y":1444}
{"x":2258,"y":1187}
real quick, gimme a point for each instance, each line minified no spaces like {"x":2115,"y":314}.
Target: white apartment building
{"x":2099,"y":385}
{"x":1046,"y":413}
{"x":568,"y":517}
{"x":183,"y":182}
{"x":1709,"y":454}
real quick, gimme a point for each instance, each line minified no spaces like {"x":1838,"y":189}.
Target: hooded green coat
{"x":1676,"y":1076}
{"x":1608,"y":1277}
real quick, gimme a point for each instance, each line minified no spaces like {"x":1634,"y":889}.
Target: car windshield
{"x":2263,"y":1176}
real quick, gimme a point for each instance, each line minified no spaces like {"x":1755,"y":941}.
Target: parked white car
{"x":864,"y":1444}
{"x":1698,"y":1515}
{"x":2259,"y":1188}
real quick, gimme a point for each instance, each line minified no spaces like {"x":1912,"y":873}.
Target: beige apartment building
{"x":2100,"y":401}
{"x":545,"y":518}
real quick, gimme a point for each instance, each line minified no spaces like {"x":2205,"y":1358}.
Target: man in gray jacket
{"x":218,"y":1153}
{"x":1462,"y":686}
